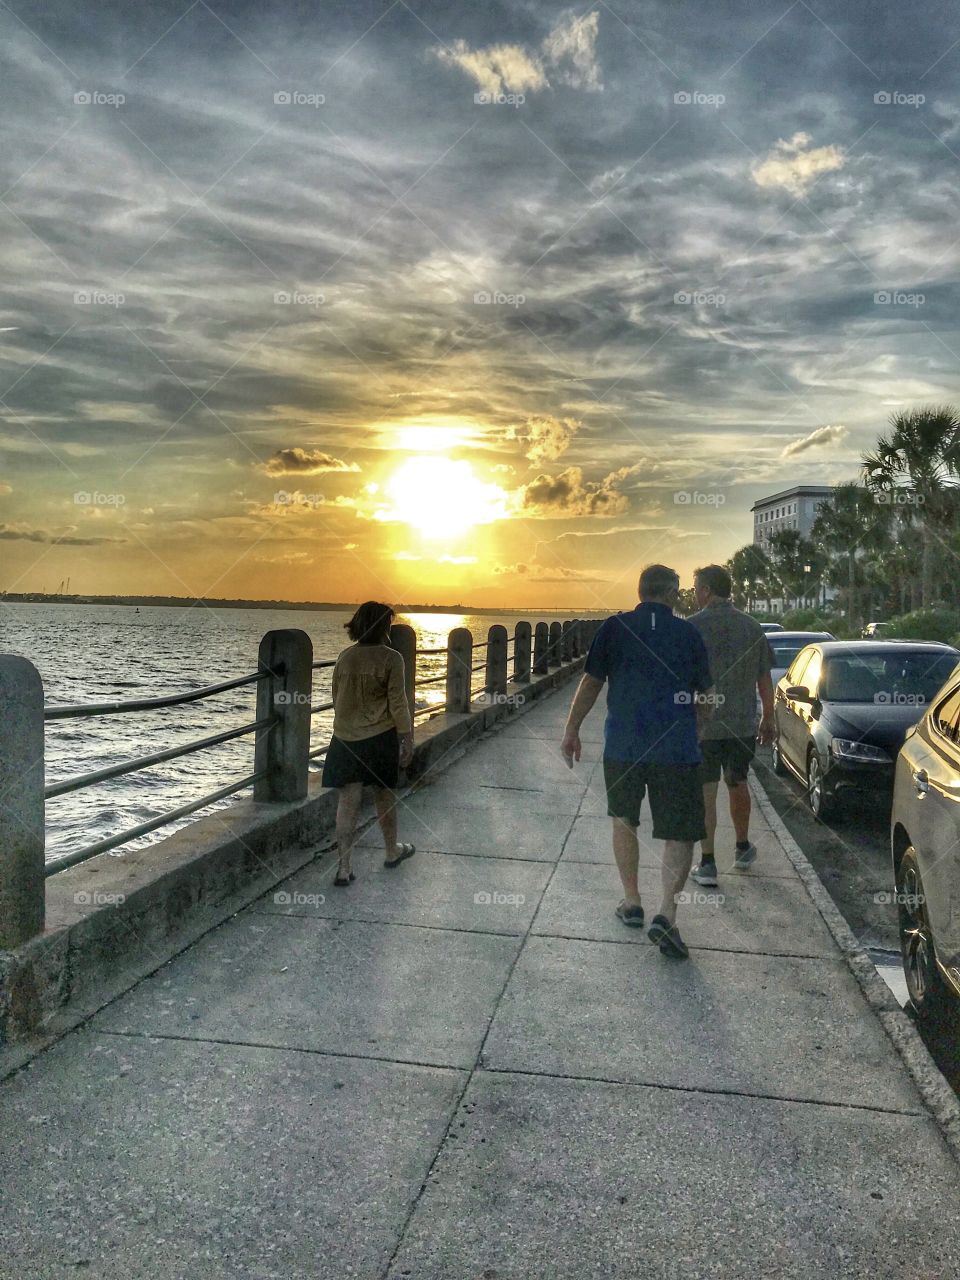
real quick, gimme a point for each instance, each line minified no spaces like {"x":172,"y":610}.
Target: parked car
{"x":772,"y":626}
{"x":877,"y":630}
{"x":925,"y":844}
{"x":785,"y":645}
{"x":843,"y":709}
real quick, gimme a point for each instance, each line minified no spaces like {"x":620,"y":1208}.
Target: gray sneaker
{"x":706,"y":873}
{"x":745,"y":856}
{"x":631,"y":915}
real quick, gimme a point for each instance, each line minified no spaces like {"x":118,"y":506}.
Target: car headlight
{"x":846,"y":749}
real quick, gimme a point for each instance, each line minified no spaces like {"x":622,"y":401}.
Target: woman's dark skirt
{"x":373,"y":761}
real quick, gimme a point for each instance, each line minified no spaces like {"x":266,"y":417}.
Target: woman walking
{"x":372,"y":733}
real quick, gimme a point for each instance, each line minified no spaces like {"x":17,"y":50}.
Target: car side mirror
{"x":799,"y":693}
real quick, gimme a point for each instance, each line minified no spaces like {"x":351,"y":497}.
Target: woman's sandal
{"x":406,"y":851}
{"x":342,"y":881}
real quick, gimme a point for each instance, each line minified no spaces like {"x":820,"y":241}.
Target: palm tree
{"x":798,"y":564}
{"x":918,"y":466}
{"x":853,"y":523}
{"x":750,"y":571}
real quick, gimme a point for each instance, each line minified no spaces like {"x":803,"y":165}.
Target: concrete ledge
{"x":937,"y":1095}
{"x":113,"y":920}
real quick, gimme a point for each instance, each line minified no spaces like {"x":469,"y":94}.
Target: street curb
{"x":936,"y":1094}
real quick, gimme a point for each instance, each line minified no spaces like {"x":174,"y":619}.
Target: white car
{"x":925,"y":846}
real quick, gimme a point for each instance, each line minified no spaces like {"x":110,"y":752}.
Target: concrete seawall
{"x":112,"y":920}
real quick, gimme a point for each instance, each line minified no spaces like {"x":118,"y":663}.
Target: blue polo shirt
{"x":654,"y":663}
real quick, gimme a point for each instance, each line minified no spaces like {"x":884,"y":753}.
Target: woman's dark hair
{"x":371,"y":623}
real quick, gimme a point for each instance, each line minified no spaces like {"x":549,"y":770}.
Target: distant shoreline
{"x":301,"y":606}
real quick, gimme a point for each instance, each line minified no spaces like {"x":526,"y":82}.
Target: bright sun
{"x":442,"y":498}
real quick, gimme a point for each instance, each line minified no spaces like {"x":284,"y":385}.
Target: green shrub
{"x":926,"y":624}
{"x":814,"y":620}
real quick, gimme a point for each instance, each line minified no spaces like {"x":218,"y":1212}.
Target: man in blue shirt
{"x":659,"y":687}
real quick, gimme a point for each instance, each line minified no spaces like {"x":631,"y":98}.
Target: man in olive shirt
{"x":740,"y":661}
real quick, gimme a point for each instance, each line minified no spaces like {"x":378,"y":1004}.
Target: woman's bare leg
{"x":386,"y":802}
{"x":348,"y":811}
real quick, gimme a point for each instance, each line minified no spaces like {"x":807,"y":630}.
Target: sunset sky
{"x":290,"y":313}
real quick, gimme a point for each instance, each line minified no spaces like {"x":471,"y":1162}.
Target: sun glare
{"x":442,"y":497}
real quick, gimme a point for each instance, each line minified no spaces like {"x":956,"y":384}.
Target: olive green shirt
{"x":739,"y":655}
{"x":368,"y":693}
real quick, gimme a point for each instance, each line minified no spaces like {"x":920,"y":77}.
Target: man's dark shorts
{"x":676,"y":797}
{"x":729,"y":756}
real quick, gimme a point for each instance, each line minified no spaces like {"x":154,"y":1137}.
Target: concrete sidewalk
{"x":469,"y":1068}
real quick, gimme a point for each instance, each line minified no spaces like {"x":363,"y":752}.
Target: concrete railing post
{"x":566,"y":641}
{"x":404,"y":639}
{"x":521,"y":652}
{"x":496,"y":674}
{"x":283,"y":749}
{"x":553,"y":648}
{"x":459,"y":662}
{"x":21,"y":802}
{"x":541,"y":644}
{"x":578,"y":649}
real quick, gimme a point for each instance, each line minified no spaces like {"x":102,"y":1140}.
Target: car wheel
{"x":776,"y":759}
{"x":822,"y":804}
{"x":928,"y":992}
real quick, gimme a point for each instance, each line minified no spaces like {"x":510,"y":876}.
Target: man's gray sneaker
{"x":630,"y":914}
{"x":706,"y":873}
{"x":744,"y":857}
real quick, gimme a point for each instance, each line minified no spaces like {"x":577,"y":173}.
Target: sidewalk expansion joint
{"x":702,"y":1089}
{"x":478,"y":1061}
{"x":395,"y":924}
{"x":279,"y":1048}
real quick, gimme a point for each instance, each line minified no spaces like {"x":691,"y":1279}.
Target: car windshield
{"x":906,"y":678}
{"x":784,"y":651}
{"x":784,"y":654}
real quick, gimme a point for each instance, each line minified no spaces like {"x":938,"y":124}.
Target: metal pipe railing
{"x":78,"y":781}
{"x":144,"y":828}
{"x":149,"y":704}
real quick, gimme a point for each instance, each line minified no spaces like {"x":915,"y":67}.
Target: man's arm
{"x":765,"y":730}
{"x":587,"y":693}
{"x":706,"y":705}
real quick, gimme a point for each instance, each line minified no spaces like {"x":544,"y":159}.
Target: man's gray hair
{"x":657,"y":581}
